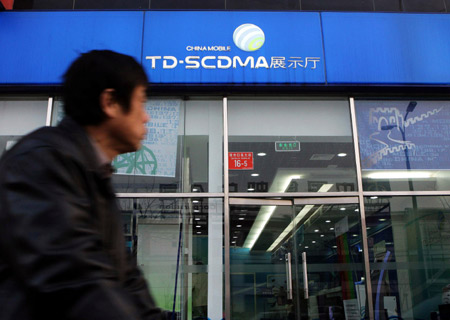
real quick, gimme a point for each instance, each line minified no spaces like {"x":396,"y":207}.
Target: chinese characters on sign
{"x":240,"y":160}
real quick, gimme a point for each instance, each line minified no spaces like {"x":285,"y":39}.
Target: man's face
{"x":129,"y":127}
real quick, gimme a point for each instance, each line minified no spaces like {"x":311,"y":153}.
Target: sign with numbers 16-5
{"x":240,"y":160}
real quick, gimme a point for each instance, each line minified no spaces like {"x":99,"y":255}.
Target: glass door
{"x":296,"y":259}
{"x":330,"y":270}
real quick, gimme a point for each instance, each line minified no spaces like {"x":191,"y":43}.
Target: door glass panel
{"x":273,"y":246}
{"x":330,"y":259}
{"x":259,"y":279}
{"x":409,"y":252}
{"x":290,"y":146}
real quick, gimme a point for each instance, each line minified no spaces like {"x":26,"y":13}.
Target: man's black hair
{"x":90,"y":75}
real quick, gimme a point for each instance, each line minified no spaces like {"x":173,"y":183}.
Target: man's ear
{"x":108,"y":103}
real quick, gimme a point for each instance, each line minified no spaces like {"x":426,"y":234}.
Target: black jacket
{"x":62,"y":250}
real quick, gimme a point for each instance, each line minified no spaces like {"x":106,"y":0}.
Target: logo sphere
{"x":248,"y":37}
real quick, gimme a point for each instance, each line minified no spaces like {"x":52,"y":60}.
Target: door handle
{"x":289,"y":275}
{"x":305,"y":276}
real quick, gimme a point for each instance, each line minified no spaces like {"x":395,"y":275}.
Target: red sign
{"x":240,"y":160}
{"x":8,"y":4}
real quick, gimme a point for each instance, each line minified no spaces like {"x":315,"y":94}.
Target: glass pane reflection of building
{"x":409,"y":256}
{"x":169,"y":239}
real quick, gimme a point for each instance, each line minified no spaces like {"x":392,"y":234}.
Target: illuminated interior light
{"x":306,"y":247}
{"x":328,"y":221}
{"x":305,"y":210}
{"x":199,"y":232}
{"x":356,"y":210}
{"x":239,"y":225}
{"x":255,"y":174}
{"x":342,"y":154}
{"x":195,"y":201}
{"x":317,"y":230}
{"x":322,"y":235}
{"x":374,"y":197}
{"x":195,"y":189}
{"x":241,"y":218}
{"x":399,"y":175}
{"x":197,"y":219}
{"x":331,"y":228}
{"x":342,"y":209}
{"x":313,"y":242}
{"x":251,"y":189}
{"x":262,"y":154}
{"x":382,"y":219}
{"x":198,"y":226}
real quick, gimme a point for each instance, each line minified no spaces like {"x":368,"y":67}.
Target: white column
{"x":215,"y":216}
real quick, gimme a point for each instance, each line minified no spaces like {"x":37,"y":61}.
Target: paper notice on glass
{"x":158,"y":155}
{"x":351,"y":309}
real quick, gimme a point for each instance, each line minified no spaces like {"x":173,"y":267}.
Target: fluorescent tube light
{"x":399,"y":175}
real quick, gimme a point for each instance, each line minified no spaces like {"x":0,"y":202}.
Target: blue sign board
{"x":37,"y":47}
{"x":387,"y":48}
{"x":404,"y":134}
{"x":233,"y":47}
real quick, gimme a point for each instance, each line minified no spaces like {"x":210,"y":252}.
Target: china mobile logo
{"x":248,"y":37}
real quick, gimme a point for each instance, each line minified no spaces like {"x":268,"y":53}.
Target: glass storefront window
{"x":173,"y":241}
{"x":408,"y":240}
{"x":290,"y":146}
{"x":183,"y":151}
{"x":404,"y":145}
{"x":18,"y":117}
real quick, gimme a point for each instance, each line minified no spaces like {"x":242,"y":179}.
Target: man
{"x":62,"y":251}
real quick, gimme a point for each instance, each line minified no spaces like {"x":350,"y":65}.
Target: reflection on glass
{"x":409,"y":242}
{"x":169,"y":237}
{"x":181,"y":153}
{"x":320,"y":243}
{"x":283,"y":146}
{"x":19,"y":117}
{"x":404,"y":144}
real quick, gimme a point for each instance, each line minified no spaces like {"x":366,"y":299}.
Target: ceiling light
{"x":322,"y":235}
{"x":355,"y":235}
{"x":196,"y":210}
{"x":382,"y":219}
{"x":399,"y":175}
{"x":195,"y":189}
{"x":255,"y":174}
{"x":342,"y":154}
{"x":235,"y":237}
{"x":198,"y":226}
{"x":198,"y":232}
{"x":306,"y":247}
{"x":261,"y":154}
{"x":233,"y":242}
{"x":327,"y":221}
{"x":374,"y":197}
{"x":195,"y":201}
{"x":239,"y":225}
{"x":331,"y":229}
{"x":334,"y":247}
{"x":313,"y":242}
{"x":298,"y":218}
{"x":251,"y":189}
{"x":356,"y":210}
{"x":317,"y":230}
{"x":241,"y":218}
{"x":342,"y":209}
{"x":295,"y":177}
{"x":197,"y":219}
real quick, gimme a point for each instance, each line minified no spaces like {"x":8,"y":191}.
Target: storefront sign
{"x":233,"y":47}
{"x":240,"y":160}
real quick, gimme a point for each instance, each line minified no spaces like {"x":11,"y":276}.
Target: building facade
{"x":296,"y":164}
